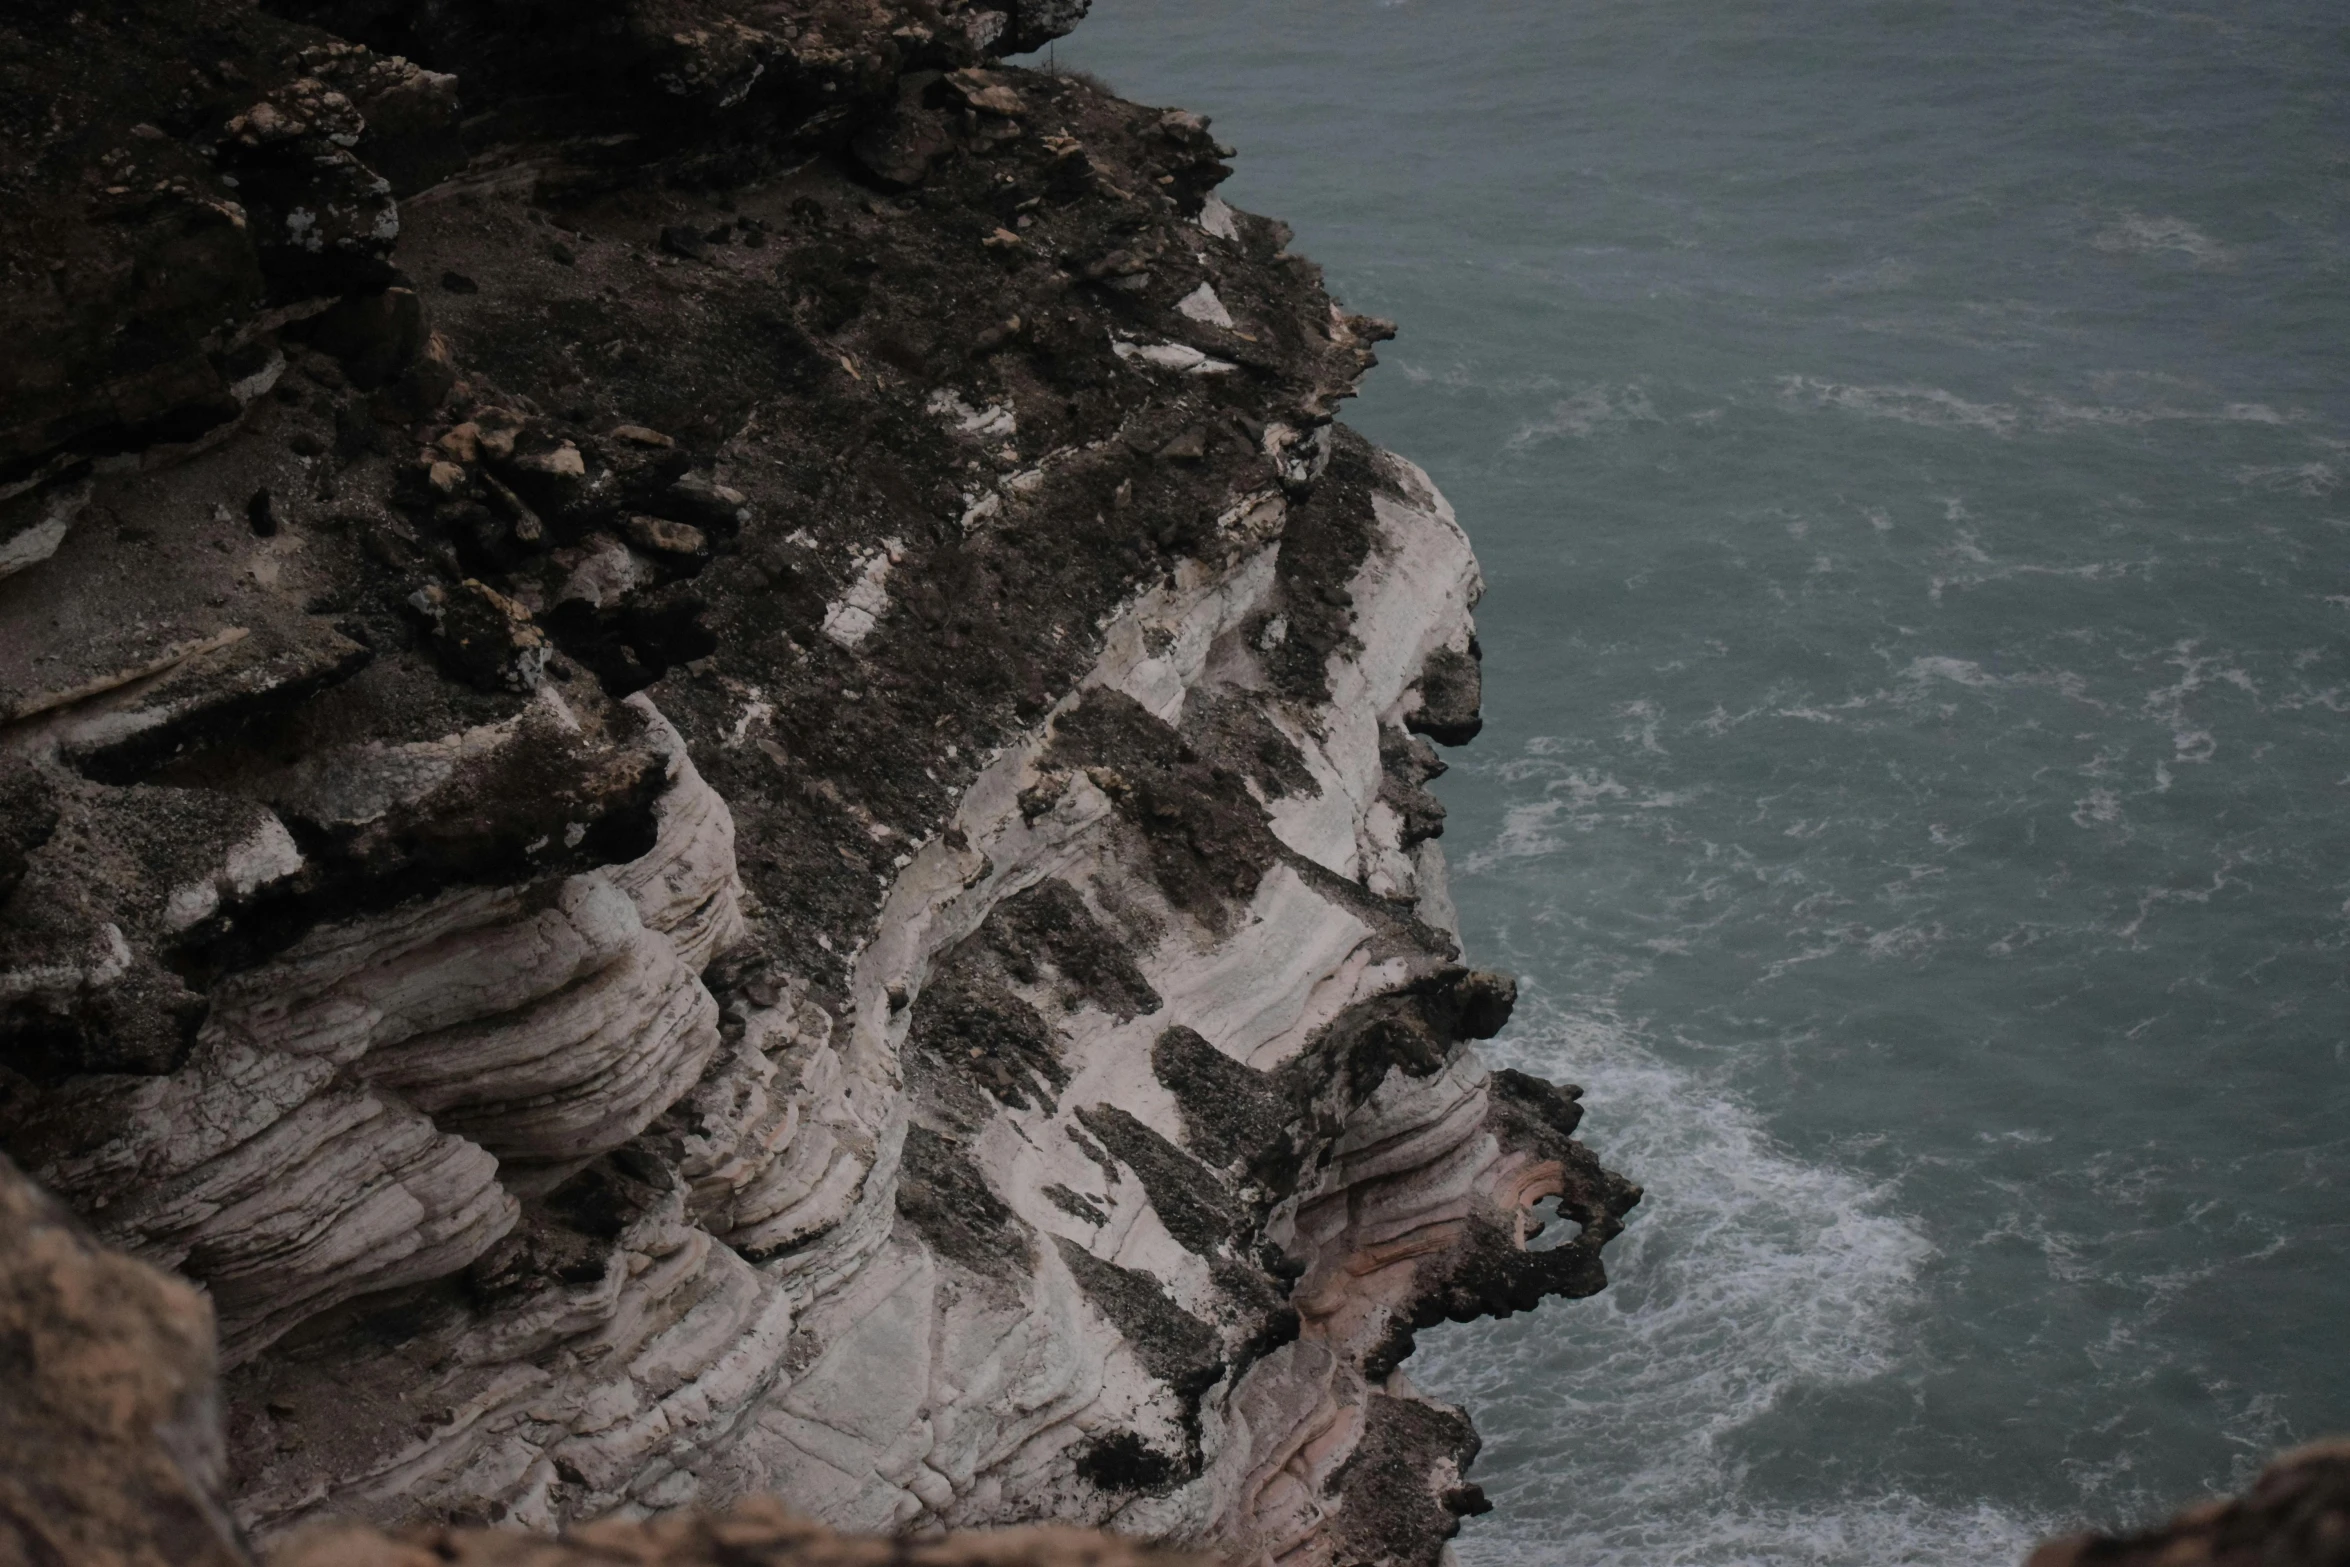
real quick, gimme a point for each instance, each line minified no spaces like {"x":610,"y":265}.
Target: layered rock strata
{"x":712,"y":781}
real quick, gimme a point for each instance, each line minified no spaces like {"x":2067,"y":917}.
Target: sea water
{"x":1905,"y":441}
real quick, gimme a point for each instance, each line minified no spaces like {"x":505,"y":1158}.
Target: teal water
{"x":1905,"y":442}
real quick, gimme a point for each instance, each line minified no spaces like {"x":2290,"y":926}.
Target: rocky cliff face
{"x":712,"y":779}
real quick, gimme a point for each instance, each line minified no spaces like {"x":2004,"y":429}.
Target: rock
{"x":680,"y":240}
{"x":663,"y":537}
{"x":719,"y":508}
{"x":559,"y":463}
{"x":1190,"y":445}
{"x":33,"y":527}
{"x":1484,"y":1001}
{"x":1036,"y":23}
{"x":323,"y":222}
{"x":308,"y":1184}
{"x":607,"y":575}
{"x":759,"y":1531}
{"x":413,"y":137}
{"x":484,"y":636}
{"x":491,"y":433}
{"x":226,"y":184}
{"x":2297,"y":1514}
{"x":1174,"y":356}
{"x":1202,"y":305}
{"x":1217,"y":218}
{"x":110,"y":1444}
{"x":422,"y":386}
{"x":997,"y":336}
{"x":462,"y":443}
{"x":898,"y":152}
{"x":1115,"y":264}
{"x":1450,"y":694}
{"x":375,"y":336}
{"x":987,"y":92}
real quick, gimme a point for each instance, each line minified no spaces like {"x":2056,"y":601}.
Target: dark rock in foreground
{"x":2297,"y":1514}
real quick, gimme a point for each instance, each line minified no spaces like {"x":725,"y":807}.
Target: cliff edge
{"x":712,"y":784}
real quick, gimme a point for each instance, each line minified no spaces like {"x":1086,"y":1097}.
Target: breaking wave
{"x":1746,"y":1275}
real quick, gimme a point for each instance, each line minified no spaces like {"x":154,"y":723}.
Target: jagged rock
{"x":1449,"y":698}
{"x":748,"y":893}
{"x":1035,"y":23}
{"x":484,"y":635}
{"x":899,"y":151}
{"x":35,"y":526}
{"x":412,"y":120}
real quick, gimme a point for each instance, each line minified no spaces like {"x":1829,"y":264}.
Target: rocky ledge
{"x":712,"y":785}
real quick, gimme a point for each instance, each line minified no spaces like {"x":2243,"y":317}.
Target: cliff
{"x":111,"y":1452}
{"x":712,"y":784}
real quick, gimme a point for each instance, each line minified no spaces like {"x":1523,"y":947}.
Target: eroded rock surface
{"x":712,"y":781}
{"x":110,"y":1446}
{"x":758,"y":1534}
{"x":2297,"y":1514}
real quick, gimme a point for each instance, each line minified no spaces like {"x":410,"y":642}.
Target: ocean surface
{"x":1906,"y":442}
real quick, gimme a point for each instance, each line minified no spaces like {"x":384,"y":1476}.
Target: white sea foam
{"x":2097,"y":808}
{"x":2137,"y":233}
{"x":1746,"y":1275}
{"x":2312,"y":479}
{"x":1574,"y":801}
{"x":1923,"y":405}
{"x":1936,"y":408}
{"x":2190,"y":741}
{"x":2088,"y":571}
{"x":1591,"y":411}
